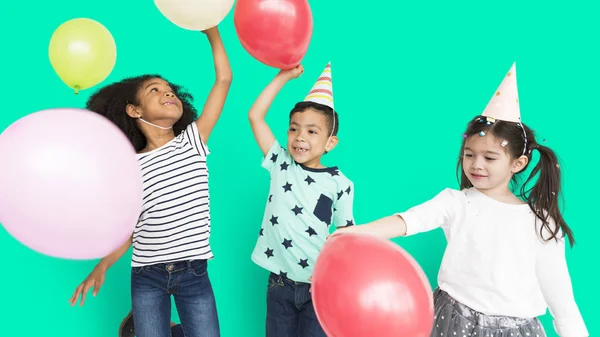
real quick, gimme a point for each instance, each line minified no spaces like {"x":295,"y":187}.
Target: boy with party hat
{"x":305,"y":199}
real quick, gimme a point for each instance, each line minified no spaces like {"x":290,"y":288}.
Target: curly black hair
{"x":112,"y":100}
{"x":331,"y":116}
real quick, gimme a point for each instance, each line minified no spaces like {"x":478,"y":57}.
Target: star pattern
{"x":287,"y":243}
{"x":303,"y":263}
{"x":274,"y":220}
{"x":322,"y":210}
{"x":297,"y":210}
{"x":269,"y":252}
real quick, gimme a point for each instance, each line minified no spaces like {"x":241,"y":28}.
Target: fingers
{"x":97,"y":288}
{"x":86,"y":288}
{"x":76,"y":294}
{"x":335,"y":233}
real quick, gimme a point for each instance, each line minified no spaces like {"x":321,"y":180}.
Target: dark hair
{"x":542,"y":198}
{"x":111,"y":102}
{"x":331,"y":116}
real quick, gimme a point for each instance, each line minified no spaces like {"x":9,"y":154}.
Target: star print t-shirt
{"x":303,"y":203}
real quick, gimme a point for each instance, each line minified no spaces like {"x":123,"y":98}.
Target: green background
{"x":407,"y":77}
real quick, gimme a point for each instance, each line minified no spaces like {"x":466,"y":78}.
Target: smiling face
{"x":309,"y":137}
{"x":487,"y":164}
{"x":157,"y":103}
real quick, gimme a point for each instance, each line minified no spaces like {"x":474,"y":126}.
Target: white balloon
{"x":195,"y":14}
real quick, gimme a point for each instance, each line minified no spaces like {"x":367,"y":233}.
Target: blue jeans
{"x":188,"y":282}
{"x":290,"y":311}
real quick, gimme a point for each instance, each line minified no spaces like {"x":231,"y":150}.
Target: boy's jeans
{"x":188,"y":282}
{"x":290,"y":311}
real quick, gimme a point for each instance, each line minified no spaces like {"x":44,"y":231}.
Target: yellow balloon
{"x":82,"y":53}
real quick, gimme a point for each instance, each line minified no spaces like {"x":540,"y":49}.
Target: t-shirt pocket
{"x":324,"y":209}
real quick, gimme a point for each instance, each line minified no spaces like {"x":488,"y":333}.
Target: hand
{"x":346,"y":229}
{"x":337,"y":232}
{"x":310,"y":280}
{"x":292,"y":73}
{"x":95,"y":279}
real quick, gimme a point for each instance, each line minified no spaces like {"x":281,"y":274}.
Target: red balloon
{"x":275,"y":32}
{"x":364,"y":286}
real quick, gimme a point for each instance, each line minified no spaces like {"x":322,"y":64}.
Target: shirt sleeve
{"x":431,"y":214}
{"x":276,"y":155}
{"x":343,"y":214}
{"x":193,"y":136}
{"x":555,"y":283}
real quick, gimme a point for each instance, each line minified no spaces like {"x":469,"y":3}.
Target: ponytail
{"x":543,"y":196}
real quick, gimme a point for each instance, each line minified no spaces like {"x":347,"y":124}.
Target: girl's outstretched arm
{"x":218,"y":94}
{"x":388,"y":228}
{"x":96,"y":278}
{"x":439,"y":211}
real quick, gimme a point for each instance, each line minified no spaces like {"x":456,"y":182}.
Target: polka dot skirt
{"x":453,"y":319}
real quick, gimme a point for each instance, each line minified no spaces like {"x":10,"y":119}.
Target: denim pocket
{"x":274,"y":281}
{"x":198,"y":268}
{"x":136,"y":270}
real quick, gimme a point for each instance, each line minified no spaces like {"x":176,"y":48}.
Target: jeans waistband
{"x":284,"y":278}
{"x":174,"y":266}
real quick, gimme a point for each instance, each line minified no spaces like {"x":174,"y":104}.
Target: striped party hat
{"x":322,"y":91}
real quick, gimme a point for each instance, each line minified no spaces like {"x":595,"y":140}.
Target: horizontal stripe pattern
{"x":175,"y":221}
{"x":322,"y":90}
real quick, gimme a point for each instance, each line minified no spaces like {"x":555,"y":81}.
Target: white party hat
{"x":504,"y":105}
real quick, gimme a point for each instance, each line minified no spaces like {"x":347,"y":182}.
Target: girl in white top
{"x":505,"y":259}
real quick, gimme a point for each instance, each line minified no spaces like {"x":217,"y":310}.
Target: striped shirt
{"x":174,"y":224}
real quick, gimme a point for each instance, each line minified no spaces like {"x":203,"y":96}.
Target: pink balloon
{"x":363,"y":286}
{"x":70,"y":183}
